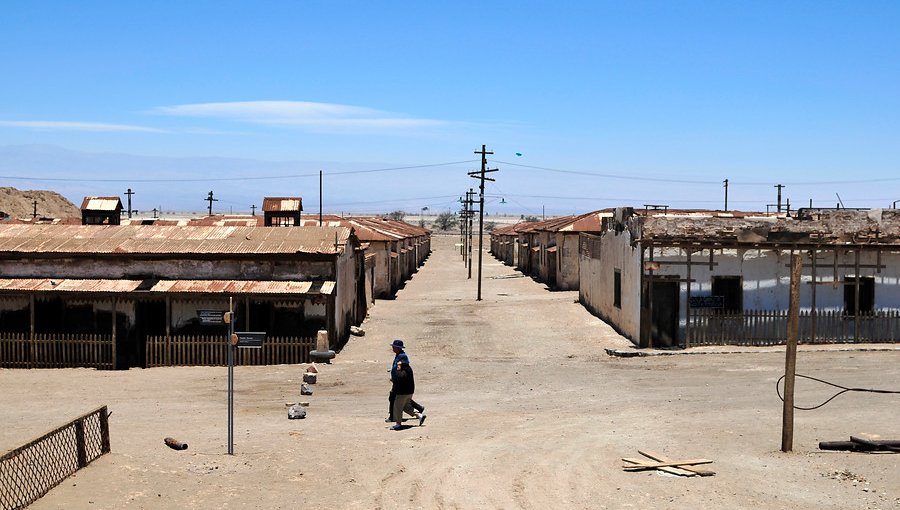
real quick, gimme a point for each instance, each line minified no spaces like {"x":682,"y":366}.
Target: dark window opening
{"x":866,"y":295}
{"x":732,"y":292}
{"x":617,"y":288}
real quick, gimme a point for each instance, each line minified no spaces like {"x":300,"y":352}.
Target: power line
{"x":245,"y":178}
{"x":636,"y":177}
{"x":608,"y":176}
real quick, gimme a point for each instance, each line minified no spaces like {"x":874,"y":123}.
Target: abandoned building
{"x":282,"y":211}
{"x":120,"y":296}
{"x":504,"y":242}
{"x":547,"y":250}
{"x":394,"y":249}
{"x":101,"y":211}
{"x":684,"y":278}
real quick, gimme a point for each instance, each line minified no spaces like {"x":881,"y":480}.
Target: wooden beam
{"x":685,"y":263}
{"x":674,"y":463}
{"x":790,"y":358}
{"x":114,"y":333}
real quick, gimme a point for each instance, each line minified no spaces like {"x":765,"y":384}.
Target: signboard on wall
{"x":211,"y":317}
{"x":707,"y":301}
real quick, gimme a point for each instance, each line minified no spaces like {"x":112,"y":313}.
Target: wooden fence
{"x":213,"y":351}
{"x":769,"y":327}
{"x":21,"y":350}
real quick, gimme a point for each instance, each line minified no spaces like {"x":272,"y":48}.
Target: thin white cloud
{"x":60,"y":125}
{"x":301,"y":114}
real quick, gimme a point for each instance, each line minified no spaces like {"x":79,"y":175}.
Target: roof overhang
{"x":153,"y":286}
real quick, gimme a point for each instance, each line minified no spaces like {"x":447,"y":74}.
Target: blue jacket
{"x":403,"y":380}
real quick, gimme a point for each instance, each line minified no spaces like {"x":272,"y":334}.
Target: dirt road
{"x":525,"y":410}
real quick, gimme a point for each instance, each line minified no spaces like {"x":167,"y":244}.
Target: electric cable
{"x":244,"y":178}
{"x":843,"y":389}
{"x":689,"y":181}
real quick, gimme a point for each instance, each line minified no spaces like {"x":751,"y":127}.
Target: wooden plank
{"x":670,"y":470}
{"x":674,"y":463}
{"x":662,"y":458}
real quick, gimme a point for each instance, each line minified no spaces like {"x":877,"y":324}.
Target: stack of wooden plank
{"x":687,"y":467}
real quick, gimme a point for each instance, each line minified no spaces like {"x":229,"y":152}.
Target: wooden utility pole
{"x":726,"y":194}
{"x":470,"y":214}
{"x":210,"y":199}
{"x":480,"y":175}
{"x":790,"y":357}
{"x":129,"y":193}
{"x":462,"y":229}
{"x":779,"y":186}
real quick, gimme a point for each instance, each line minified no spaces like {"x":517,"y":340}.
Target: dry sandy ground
{"x":525,"y":410}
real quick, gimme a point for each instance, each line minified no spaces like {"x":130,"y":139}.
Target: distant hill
{"x":50,"y":204}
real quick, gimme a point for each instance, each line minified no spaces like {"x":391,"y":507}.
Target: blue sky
{"x":608,"y":103}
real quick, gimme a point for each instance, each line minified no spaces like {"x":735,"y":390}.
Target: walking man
{"x":403,"y":386}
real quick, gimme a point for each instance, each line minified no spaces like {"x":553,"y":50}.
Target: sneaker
{"x":421,"y":420}
{"x":388,"y":420}
{"x":396,"y":427}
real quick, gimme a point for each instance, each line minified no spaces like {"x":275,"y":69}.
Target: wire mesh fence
{"x":30,"y":471}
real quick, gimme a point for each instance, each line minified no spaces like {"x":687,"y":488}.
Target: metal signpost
{"x":244,"y":340}
{"x":228,"y":316}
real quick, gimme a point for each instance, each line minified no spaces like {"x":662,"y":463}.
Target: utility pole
{"x":34,"y":215}
{"x":480,"y":175}
{"x":320,"y":198}
{"x":779,"y":186}
{"x":790,"y":356}
{"x":210,"y":199}
{"x":129,"y":193}
{"x":462,"y":229}
{"x":470,"y":213}
{"x":726,"y":194}
{"x":253,"y":210}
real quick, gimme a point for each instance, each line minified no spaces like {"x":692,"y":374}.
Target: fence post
{"x":81,"y":451}
{"x":104,"y":431}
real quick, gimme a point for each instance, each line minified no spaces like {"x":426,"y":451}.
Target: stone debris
{"x":296,"y":412}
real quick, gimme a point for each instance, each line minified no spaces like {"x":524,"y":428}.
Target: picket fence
{"x":20,"y":350}
{"x":213,"y":351}
{"x":769,"y":327}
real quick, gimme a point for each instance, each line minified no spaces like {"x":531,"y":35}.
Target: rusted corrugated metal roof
{"x":65,"y":285}
{"x":165,"y":286}
{"x":242,"y":287}
{"x":152,"y":239}
{"x":588,"y":222}
{"x":101,"y":204}
{"x":282,"y":204}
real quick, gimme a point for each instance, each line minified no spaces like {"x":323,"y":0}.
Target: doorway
{"x":149,"y":320}
{"x":664,"y":317}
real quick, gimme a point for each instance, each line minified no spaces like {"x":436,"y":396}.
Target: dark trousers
{"x":413,"y":405}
